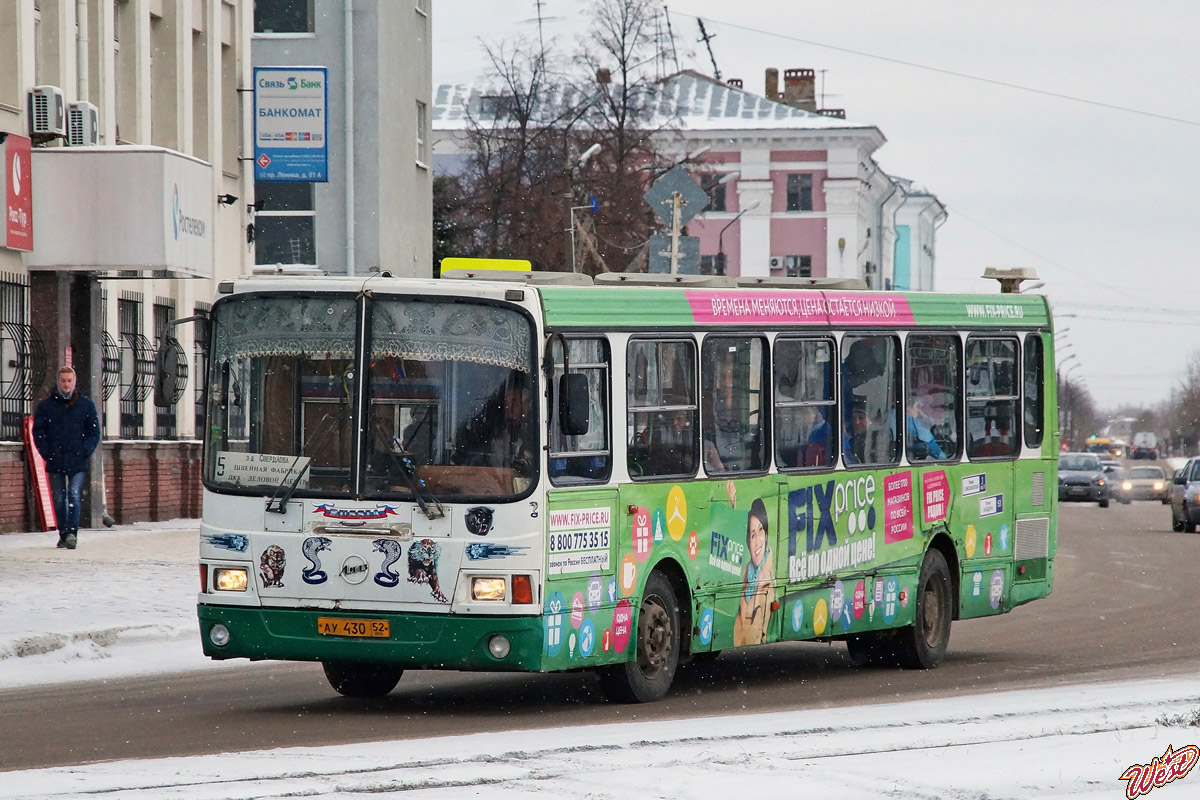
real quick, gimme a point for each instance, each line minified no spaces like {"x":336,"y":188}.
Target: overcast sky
{"x":975,"y":99}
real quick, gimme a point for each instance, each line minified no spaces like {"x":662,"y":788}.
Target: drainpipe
{"x":348,"y":93}
{"x":81,"y":49}
{"x":879,"y":230}
{"x":941,"y":220}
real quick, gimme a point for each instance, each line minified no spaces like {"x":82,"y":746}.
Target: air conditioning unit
{"x":83,"y":124}
{"x":776,"y":262}
{"x":46,"y":112}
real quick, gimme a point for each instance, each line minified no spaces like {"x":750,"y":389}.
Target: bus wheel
{"x":361,"y":680}
{"x":649,"y":676}
{"x":922,"y":645}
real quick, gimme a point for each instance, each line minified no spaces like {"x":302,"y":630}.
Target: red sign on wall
{"x":18,"y":194}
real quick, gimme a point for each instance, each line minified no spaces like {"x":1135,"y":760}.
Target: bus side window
{"x":805,"y":413}
{"x":1034,"y":372}
{"x":992,"y":397}
{"x":661,"y":421}
{"x":733,"y":418}
{"x":870,"y":399}
{"x":932,"y":427}
{"x":586,"y":458}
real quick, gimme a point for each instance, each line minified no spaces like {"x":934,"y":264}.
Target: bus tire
{"x":922,"y":645}
{"x":361,"y":680}
{"x":648,"y":677}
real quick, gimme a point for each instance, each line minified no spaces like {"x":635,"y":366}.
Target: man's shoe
{"x":62,"y":540}
{"x":70,"y":541}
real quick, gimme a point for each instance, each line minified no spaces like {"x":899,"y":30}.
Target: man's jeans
{"x":67,"y":490}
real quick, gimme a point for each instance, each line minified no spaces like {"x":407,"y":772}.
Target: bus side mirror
{"x":573,"y":404}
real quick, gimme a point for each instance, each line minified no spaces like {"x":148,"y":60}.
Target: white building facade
{"x":793,"y":191}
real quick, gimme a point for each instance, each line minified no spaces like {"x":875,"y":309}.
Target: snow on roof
{"x":696,"y":102}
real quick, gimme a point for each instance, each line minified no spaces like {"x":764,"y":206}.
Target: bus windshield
{"x":448,"y":400}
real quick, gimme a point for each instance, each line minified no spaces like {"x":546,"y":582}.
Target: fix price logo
{"x":1160,"y":771}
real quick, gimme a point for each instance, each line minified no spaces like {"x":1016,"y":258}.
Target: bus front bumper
{"x":416,"y":641}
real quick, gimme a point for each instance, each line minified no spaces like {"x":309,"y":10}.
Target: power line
{"x":954,"y":73}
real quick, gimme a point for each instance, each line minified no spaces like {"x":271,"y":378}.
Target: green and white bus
{"x":542,"y":472}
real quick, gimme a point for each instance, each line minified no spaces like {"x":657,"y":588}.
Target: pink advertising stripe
{"x":798,"y":308}
{"x":857,"y":308}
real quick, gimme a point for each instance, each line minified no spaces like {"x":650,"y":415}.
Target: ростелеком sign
{"x":291,"y":125}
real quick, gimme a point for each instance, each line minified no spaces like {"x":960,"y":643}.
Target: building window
{"x":799,"y":191}
{"x":798,"y":266}
{"x":200,"y":392}
{"x":22,"y":357}
{"x":713,"y":265}
{"x":715,"y":190}
{"x":171,"y":370}
{"x":137,"y":364}
{"x":285,"y":224}
{"x":422,"y":134}
{"x":283,"y":16}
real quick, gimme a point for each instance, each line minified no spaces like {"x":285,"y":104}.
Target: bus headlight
{"x":230,"y":579}
{"x":487,"y":589}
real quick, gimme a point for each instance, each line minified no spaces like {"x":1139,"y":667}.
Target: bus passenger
{"x":758,"y":578}
{"x":854,"y":433}
{"x":921,"y":442}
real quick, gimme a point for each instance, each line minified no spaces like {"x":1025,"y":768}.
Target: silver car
{"x":1185,"y":497}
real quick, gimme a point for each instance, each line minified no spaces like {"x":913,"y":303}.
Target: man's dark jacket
{"x":66,"y":430}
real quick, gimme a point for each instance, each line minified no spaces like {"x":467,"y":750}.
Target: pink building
{"x":794,"y":191}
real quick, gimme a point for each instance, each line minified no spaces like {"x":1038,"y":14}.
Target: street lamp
{"x":721,"y":235}
{"x":570,"y":196}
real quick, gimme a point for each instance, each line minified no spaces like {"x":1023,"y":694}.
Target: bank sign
{"x":291,"y":124}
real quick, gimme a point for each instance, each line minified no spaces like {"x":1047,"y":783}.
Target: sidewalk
{"x":123,"y":603}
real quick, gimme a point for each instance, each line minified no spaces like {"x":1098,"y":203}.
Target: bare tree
{"x":525,"y":184}
{"x":1184,"y":405}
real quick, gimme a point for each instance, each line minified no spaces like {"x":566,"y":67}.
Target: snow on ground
{"x":92,"y":613}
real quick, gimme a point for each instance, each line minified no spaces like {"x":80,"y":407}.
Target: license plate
{"x":371,"y":628}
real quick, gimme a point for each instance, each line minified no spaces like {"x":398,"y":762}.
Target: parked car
{"x":1081,"y":477}
{"x":1146,"y":483}
{"x":1185,"y":497}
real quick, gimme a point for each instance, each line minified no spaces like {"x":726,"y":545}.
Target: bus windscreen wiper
{"x":281,"y":508}
{"x":430,"y":507}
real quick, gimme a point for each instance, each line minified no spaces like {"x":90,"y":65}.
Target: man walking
{"x":66,"y":431}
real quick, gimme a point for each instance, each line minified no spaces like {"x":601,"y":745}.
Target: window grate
{"x":22,"y":357}
{"x":1038,"y":494}
{"x":1032,"y":539}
